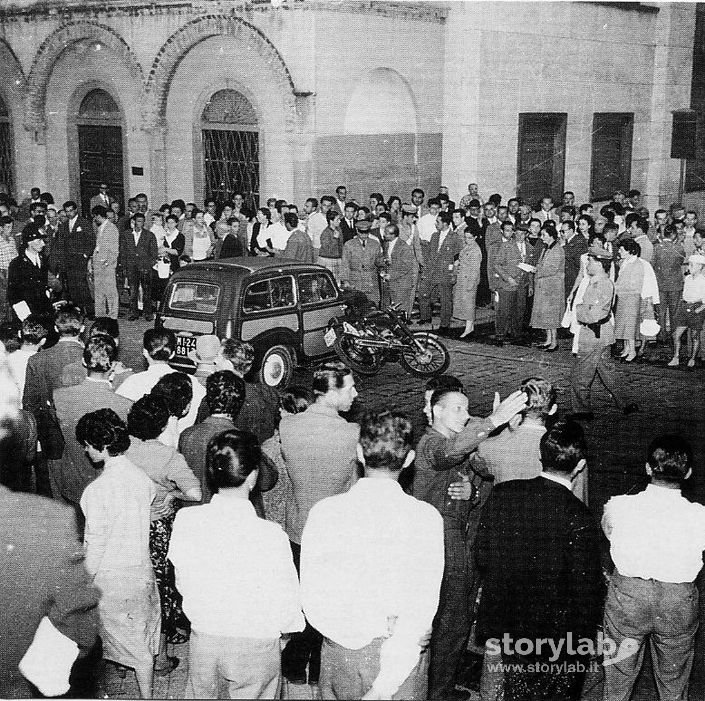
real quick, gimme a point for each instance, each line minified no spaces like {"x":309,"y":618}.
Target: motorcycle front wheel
{"x":361,"y":359}
{"x":429,"y":360}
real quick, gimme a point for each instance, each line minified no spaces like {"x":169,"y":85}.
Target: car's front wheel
{"x":277,"y":367}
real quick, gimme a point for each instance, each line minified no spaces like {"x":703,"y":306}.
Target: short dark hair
{"x":419,"y":190}
{"x":177,"y":391}
{"x":9,"y":336}
{"x":103,"y":429}
{"x":100,"y":353}
{"x":313,"y":201}
{"x":434,"y":202}
{"x":6,"y":220}
{"x":69,"y":204}
{"x":386,"y":438}
{"x":446,"y":217}
{"x":225,"y":393}
{"x":630,"y":219}
{"x":328,"y":198}
{"x":449,"y":382}
{"x":139,"y":215}
{"x":642,"y":225}
{"x":562,"y":447}
{"x":634,"y":193}
{"x":159,"y":343}
{"x":341,"y":187}
{"x":240,"y":353}
{"x":670,"y":458}
{"x":295,"y":399}
{"x":178,"y":203}
{"x":329,"y":376}
{"x":331,"y":214}
{"x":148,"y":417}
{"x":100,"y":211}
{"x":393,"y":228}
{"x":569,"y":223}
{"x":291,"y":219}
{"x":230,"y":457}
{"x":104,"y":325}
{"x":439,"y":394}
{"x":386,"y":216}
{"x":33,"y":330}
{"x":68,"y":320}
{"x":630,"y":246}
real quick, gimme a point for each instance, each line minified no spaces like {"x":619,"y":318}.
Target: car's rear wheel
{"x":277,"y":366}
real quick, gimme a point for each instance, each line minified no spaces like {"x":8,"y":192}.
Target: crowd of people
{"x":525,"y":261}
{"x":296,"y":534}
{"x":218,"y":511}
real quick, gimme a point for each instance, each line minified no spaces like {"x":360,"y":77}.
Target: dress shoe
{"x":550,"y":349}
{"x":149,"y":317}
{"x":581,"y":416}
{"x":631,"y":408}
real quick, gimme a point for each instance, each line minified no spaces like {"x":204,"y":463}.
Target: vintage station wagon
{"x":280,"y":306}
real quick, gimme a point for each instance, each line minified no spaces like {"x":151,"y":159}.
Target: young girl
{"x":690,"y":310}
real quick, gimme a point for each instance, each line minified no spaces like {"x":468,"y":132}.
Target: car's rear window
{"x":200,"y":297}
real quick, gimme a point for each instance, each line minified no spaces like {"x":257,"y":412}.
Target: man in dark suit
{"x":538,"y":551}
{"x":77,"y":242}
{"x":225,"y":394}
{"x":347,"y":223}
{"x":398,"y":271}
{"x":102,"y":198}
{"x":138,"y":254}
{"x":43,"y":376}
{"x":504,"y":280}
{"x":575,"y":245}
{"x":74,"y":471}
{"x":27,"y":276}
{"x":439,"y":273}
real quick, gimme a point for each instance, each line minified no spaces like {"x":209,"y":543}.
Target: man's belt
{"x":595,"y":327}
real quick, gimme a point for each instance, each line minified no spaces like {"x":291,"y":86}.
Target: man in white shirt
{"x":315,"y":222}
{"x":237,"y":578}
{"x":639,"y":228}
{"x":276,"y":231}
{"x":159,"y":347}
{"x":546,"y":212}
{"x":426,"y":224}
{"x":33,"y":337}
{"x":371,"y":570}
{"x":657,"y":538}
{"x":341,"y":197}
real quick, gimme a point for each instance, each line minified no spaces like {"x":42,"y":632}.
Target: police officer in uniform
{"x":593,"y":304}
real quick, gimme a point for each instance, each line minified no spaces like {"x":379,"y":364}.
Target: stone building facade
{"x":287,"y":98}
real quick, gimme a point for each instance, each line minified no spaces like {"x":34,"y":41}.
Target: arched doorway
{"x":6,"y":175}
{"x":99,"y":124}
{"x":231,"y":147}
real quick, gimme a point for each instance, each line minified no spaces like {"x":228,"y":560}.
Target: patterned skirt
{"x":159,"y":536}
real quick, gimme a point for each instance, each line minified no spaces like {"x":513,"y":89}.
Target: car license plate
{"x":185,"y":344}
{"x":329,"y":337}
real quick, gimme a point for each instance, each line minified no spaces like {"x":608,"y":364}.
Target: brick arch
{"x":14,"y":81}
{"x":51,"y":49}
{"x":193,"y":33}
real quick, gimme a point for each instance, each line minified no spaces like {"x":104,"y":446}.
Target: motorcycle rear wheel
{"x":366,"y":361}
{"x":433,"y":360}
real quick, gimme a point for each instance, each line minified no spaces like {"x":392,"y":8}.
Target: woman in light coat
{"x":628,"y":288}
{"x":549,"y":289}
{"x":465,"y":289}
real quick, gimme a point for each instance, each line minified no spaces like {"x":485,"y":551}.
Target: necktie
{"x":363,"y":243}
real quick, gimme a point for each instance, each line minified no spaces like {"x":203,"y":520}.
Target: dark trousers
{"x":427,"y":291}
{"x":77,"y":282}
{"x":534,"y":679}
{"x":135,"y":278}
{"x":507,"y":317}
{"x":669,"y":305}
{"x":451,"y":626}
{"x":303,"y":648}
{"x":593,"y":360}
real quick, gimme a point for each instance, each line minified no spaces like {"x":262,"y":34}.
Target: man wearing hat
{"x":362,"y":259}
{"x":594,"y":326}
{"x":409,"y":233}
{"x":27,"y":278}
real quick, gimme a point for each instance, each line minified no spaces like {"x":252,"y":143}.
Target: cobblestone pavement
{"x":671,"y":400}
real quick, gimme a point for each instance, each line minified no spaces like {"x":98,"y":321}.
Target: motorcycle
{"x":363,"y":341}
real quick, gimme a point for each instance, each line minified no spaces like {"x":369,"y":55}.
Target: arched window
{"x":99,"y":125}
{"x":230,"y":133}
{"x":6,"y":177}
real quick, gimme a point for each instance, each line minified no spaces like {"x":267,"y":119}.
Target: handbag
{"x":49,"y":433}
